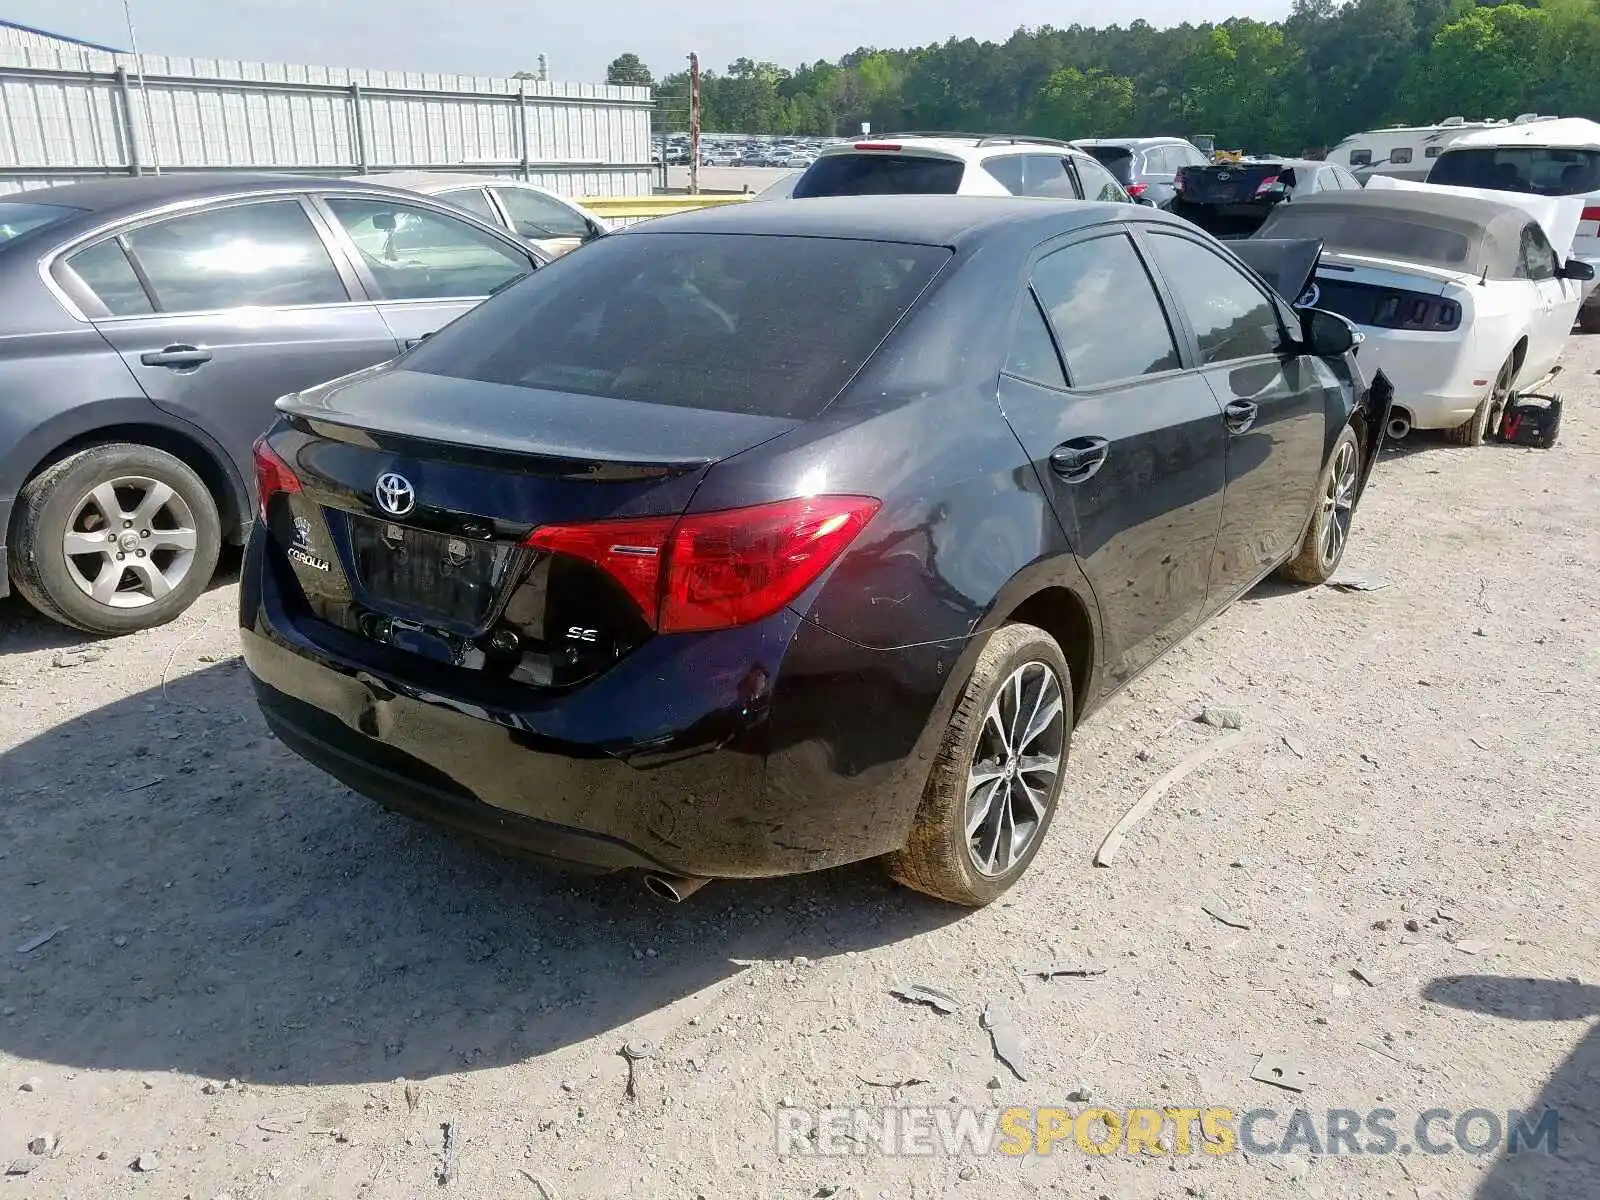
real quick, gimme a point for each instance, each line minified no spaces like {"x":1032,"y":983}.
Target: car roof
{"x":1567,"y":133}
{"x":971,"y":147}
{"x":428,"y":182}
{"x":918,"y":219}
{"x":114,"y":198}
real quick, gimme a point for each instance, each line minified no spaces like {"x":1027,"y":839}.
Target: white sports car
{"x":1463,"y":301}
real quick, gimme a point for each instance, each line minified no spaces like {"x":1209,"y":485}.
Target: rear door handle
{"x":176,"y":357}
{"x":1240,"y":415}
{"x":1078,"y":460}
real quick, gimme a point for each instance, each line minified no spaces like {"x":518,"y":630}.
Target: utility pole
{"x":694,"y":124}
{"x":144,"y":92}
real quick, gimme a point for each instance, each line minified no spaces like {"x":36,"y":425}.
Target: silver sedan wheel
{"x":1016,"y":768}
{"x":130,"y":542}
{"x":1338,"y":504}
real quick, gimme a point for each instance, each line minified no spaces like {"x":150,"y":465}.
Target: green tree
{"x":1492,"y":62}
{"x":627,"y":71}
{"x":1076,"y":104}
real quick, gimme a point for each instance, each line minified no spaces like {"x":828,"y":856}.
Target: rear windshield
{"x":1537,"y":171}
{"x":880,"y":175}
{"x":766,"y":325}
{"x":1116,"y":159}
{"x":1366,"y":233}
{"x":18,"y":217}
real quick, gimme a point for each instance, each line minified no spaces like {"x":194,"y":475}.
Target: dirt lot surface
{"x":249,"y":963}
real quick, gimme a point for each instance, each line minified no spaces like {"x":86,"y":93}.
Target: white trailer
{"x":1408,"y":151}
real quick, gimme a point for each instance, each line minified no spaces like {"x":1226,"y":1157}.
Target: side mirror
{"x":1576,"y":268}
{"x":1326,"y":334}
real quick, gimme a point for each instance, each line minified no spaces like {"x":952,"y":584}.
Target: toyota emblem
{"x":395,"y":494}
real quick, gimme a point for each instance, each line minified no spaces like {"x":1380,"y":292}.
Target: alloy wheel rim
{"x":130,"y":542}
{"x":1015,"y":769}
{"x":1339,"y":504}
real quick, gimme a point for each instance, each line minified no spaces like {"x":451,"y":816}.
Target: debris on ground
{"x":1413,"y":926}
{"x":1295,"y":747}
{"x":1281,"y":1070}
{"x":1079,"y":1094}
{"x":449,"y":1168}
{"x":546,"y":1192}
{"x":1357,"y":583}
{"x":942,"y":1003}
{"x":20,"y":1166}
{"x":1218,"y":913}
{"x":32,"y":944}
{"x":43,"y":1143}
{"x":147,"y":1161}
{"x":1113,"y":843}
{"x":635,"y":1053}
{"x":1472,"y":947}
{"x":1358,"y":973}
{"x":892,"y":1084}
{"x":1221,"y":718}
{"x":1053,"y":972}
{"x":413,"y":1096}
{"x":80,"y":657}
{"x":1383,"y":926}
{"x":144,"y":783}
{"x":31,"y":1084}
{"x":1009,"y":1047}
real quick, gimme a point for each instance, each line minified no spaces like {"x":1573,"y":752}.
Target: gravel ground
{"x":249,"y":963}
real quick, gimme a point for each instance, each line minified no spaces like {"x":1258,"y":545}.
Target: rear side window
{"x":773,"y":326}
{"x":536,"y":216}
{"x":264,"y":255}
{"x":880,"y":175}
{"x":475,"y":201}
{"x":106,"y":271}
{"x":1231,"y":317}
{"x":1105,"y":312}
{"x":1098,"y":183}
{"x":1033,"y":354}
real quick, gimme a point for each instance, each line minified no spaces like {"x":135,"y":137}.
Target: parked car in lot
{"x":695,"y":552}
{"x":957,"y":164}
{"x":551,"y":223}
{"x":1233,"y":199}
{"x":146,"y":327}
{"x":1545,"y":157}
{"x":1463,"y":301}
{"x":1145,"y":167}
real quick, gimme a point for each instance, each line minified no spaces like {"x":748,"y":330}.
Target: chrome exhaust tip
{"x":1399,"y":425}
{"x":673,"y":888}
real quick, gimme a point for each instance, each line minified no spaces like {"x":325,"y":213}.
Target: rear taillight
{"x":1591,"y":213}
{"x":1268,"y":185}
{"x":718,"y":569}
{"x":273,"y":475}
{"x":1138,"y":189}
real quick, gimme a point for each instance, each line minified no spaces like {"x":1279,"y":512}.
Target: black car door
{"x":1274,"y":402}
{"x":1127,"y":444}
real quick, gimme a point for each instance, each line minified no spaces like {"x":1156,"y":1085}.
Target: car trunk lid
{"x":418,"y":494}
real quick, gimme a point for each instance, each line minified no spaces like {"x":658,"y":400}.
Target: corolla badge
{"x":395,"y":494}
{"x":1310,"y":298}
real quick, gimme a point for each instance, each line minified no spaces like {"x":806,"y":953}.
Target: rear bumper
{"x":669,"y":761}
{"x":1431,"y":372}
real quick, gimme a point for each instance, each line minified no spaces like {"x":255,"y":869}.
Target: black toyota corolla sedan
{"x":765,"y":539}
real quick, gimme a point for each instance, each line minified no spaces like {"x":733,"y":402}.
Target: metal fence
{"x":68,"y":114}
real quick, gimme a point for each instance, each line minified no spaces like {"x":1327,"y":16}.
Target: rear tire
{"x":1475,"y":430}
{"x":1589,"y":318}
{"x":990,"y":798}
{"x":1322,"y":549}
{"x":115,"y":539}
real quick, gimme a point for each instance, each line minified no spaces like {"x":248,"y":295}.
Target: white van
{"x":1405,"y":151}
{"x":1541,"y":158}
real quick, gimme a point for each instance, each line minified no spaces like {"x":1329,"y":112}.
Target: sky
{"x":499,"y":37}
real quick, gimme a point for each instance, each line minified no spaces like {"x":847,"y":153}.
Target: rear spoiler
{"x":1288,"y":264}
